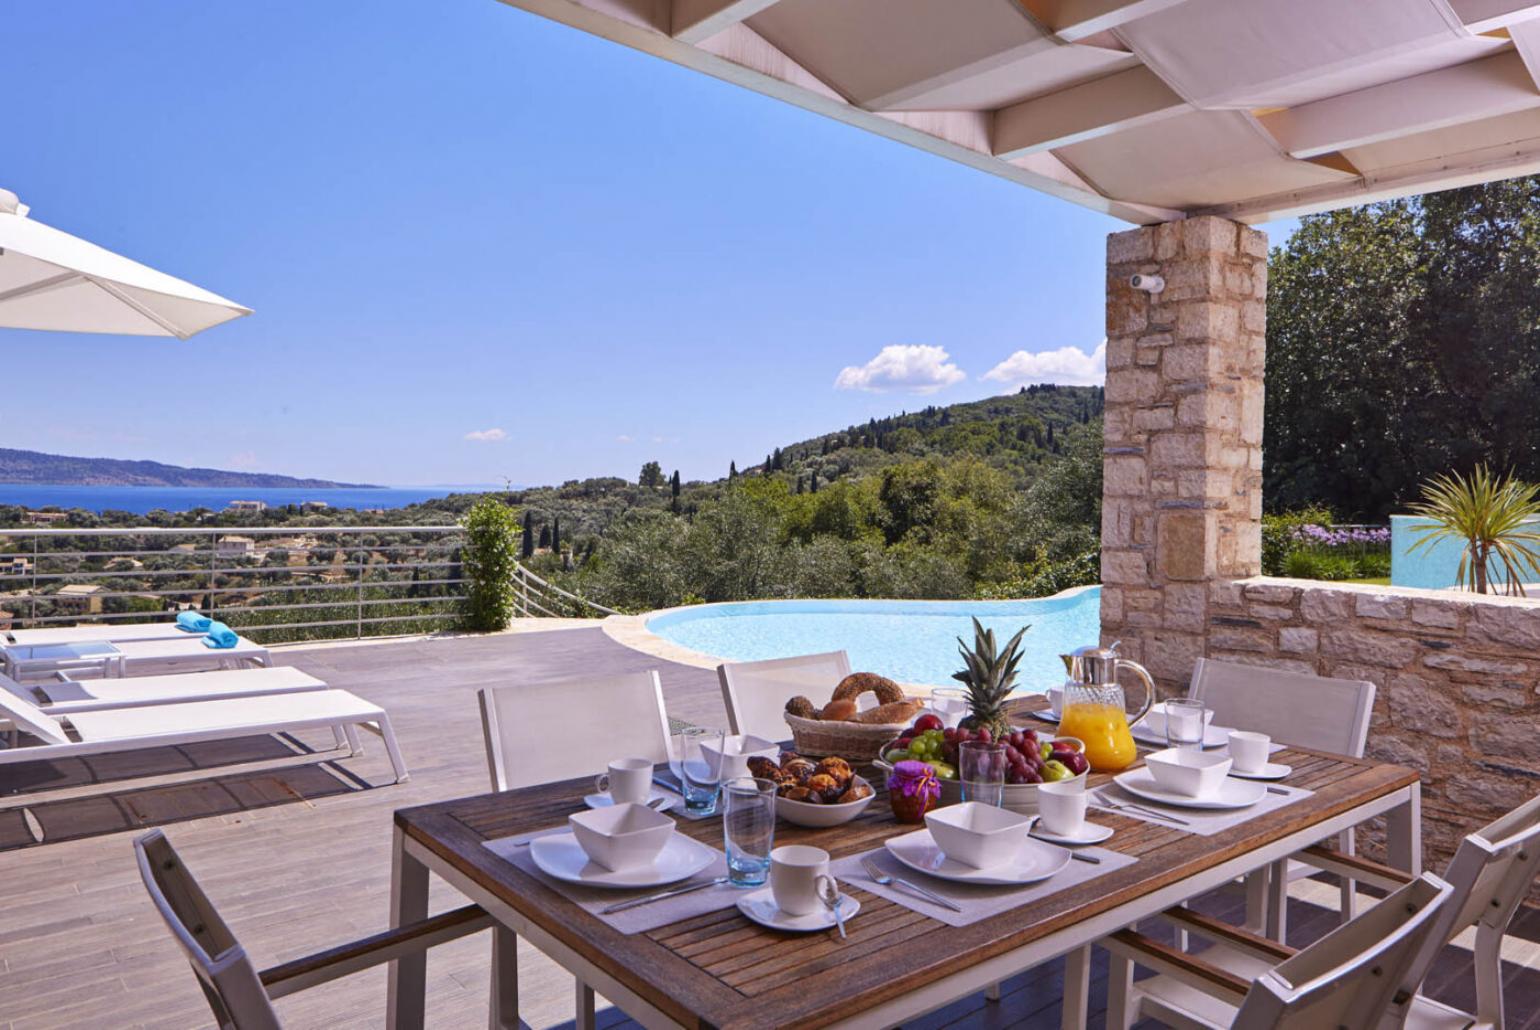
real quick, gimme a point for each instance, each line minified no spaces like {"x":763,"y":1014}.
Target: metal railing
{"x":284,"y":582}
{"x":536,"y":598}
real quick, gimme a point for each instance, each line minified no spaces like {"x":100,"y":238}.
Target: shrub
{"x":490,"y":555}
{"x":1320,"y":565}
{"x":1281,"y":537}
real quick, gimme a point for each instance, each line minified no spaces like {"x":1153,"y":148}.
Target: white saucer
{"x":603,"y":800}
{"x":560,"y":855}
{"x":760,"y":907}
{"x":1090,"y":833}
{"x":1270,"y":771}
{"x":1231,"y":793}
{"x":1035,"y":861}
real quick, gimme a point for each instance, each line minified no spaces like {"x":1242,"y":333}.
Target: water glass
{"x":699,"y":787}
{"x":748,"y":829}
{"x":981,"y":768}
{"x":1185,"y":722}
{"x":950,"y":703}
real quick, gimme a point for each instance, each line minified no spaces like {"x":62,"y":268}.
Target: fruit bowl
{"x":804,"y":813}
{"x":1029,"y":765}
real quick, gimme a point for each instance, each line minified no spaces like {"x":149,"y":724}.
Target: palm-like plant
{"x":1492,"y":516}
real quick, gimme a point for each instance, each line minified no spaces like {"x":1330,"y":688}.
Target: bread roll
{"x":839,"y":711}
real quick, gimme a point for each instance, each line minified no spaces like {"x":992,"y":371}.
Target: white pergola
{"x":1147,"y":110}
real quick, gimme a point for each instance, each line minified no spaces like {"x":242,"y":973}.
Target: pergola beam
{"x":692,"y":21}
{"x":1076,"y":20}
{"x":1484,"y":88}
{"x":1096,"y":108}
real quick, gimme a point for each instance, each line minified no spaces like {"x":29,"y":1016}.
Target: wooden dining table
{"x":721,"y":970}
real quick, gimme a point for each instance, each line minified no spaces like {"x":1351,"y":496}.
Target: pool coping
{"x":631,"y":630}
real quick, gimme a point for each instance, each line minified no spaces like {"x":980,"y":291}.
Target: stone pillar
{"x":1182,"y":496}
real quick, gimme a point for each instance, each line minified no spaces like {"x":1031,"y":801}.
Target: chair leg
{"x":992,"y":992}
{"x":584,"y":1019}
{"x":1122,"y":1007}
{"x":505,"y":980}
{"x":1278,"y":901}
{"x":1489,"y":975}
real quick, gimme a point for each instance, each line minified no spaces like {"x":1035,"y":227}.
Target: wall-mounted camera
{"x":1147,"y":283}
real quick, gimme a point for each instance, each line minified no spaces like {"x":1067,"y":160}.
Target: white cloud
{"x":906,"y":368}
{"x":487,"y":435}
{"x":1068,"y":366}
{"x":623,"y":438}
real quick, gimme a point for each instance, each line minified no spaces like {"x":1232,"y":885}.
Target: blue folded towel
{"x":193,"y":622}
{"x":220,"y":636}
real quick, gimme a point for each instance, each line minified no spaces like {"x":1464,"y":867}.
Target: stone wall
{"x":1458,"y":678}
{"x":1182,"y":484}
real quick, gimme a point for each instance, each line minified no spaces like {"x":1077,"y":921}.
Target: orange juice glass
{"x":1109,"y":746}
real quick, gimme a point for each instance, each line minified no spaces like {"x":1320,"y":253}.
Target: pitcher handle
{"x":1149,"y":688}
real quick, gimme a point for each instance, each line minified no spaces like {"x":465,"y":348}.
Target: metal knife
{"x":621,"y":906}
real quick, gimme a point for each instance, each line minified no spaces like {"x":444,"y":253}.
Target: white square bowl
{"x":621,"y":836}
{"x":1188,"y":771}
{"x":733,"y":760}
{"x":976,"y":834}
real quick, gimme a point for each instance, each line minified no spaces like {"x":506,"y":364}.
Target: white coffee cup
{"x":1061,"y":806}
{"x":797,"y":873}
{"x":629,"y":781}
{"x":1056,"y":701}
{"x":1249,"y":750}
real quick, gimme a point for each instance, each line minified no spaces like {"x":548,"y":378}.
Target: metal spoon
{"x":831,"y":899}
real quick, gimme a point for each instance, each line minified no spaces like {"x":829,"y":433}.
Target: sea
{"x":143,"y":499}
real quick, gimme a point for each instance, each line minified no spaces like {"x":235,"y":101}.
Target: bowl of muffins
{"x":820,"y":793}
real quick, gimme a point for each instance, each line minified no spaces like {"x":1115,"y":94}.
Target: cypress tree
{"x":556,"y":534}
{"x":673,"y":485}
{"x":812,"y":482}
{"x":545,"y":536}
{"x":527,"y":544}
{"x":732,"y":470}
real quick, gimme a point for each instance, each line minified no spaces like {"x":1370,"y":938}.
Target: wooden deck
{"x":295,"y":851}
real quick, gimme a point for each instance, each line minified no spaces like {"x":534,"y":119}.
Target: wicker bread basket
{"x":853,"y":741}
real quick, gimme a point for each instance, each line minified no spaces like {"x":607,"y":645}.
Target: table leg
{"x":1403,"y":833}
{"x":584,"y":1019}
{"x":1278,"y":901}
{"x":406,"y":994}
{"x":1256,"y":900}
{"x":505,"y":979}
{"x":1077,"y":989}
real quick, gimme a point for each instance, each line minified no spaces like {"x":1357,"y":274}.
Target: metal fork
{"x":1123,"y":806}
{"x":877,"y":876}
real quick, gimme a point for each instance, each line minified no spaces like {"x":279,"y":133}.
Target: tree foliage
{"x":489,"y":558}
{"x":1403,"y":342}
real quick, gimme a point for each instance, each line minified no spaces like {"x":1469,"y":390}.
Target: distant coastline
{"x":141,"y":500}
{"x":38,"y":469}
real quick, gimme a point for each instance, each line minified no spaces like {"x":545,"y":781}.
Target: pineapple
{"x":989,"y":676}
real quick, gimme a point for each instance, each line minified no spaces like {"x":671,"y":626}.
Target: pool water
{"x":909,"y":641}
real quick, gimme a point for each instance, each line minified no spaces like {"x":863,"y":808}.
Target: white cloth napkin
{"x":976,"y":902}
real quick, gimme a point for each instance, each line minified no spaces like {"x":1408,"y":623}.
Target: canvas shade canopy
{"x":1147,"y":110}
{"x":52,"y":280}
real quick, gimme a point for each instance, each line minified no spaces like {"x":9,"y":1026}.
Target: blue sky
{"x":455,"y":218}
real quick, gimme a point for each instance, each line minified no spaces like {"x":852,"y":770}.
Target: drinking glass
{"x":981,"y":768}
{"x":748,"y":829}
{"x":699,"y":787}
{"x":1184,"y":723}
{"x":951,"y":703}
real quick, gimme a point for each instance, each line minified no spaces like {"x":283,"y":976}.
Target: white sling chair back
{"x":532,"y":736}
{"x":756,"y":693}
{"x":240,"y":996}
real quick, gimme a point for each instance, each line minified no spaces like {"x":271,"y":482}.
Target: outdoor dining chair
{"x":756,"y":693}
{"x":240,"y":995}
{"x":1315,"y":712}
{"x":1489,"y":876}
{"x":1349,"y":978}
{"x":532,"y":736}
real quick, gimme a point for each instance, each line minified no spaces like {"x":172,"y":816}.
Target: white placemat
{"x":631,"y":920}
{"x":1203,"y":821}
{"x":976,"y":902}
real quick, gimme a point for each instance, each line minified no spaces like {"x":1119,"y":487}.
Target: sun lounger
{"x":96,"y":631}
{"x":131,"y":729}
{"x":68,"y":695}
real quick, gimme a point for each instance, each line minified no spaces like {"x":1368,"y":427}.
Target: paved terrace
{"x":296,"y":853}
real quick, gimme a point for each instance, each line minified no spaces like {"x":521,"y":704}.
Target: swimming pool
{"x":910,"y":641}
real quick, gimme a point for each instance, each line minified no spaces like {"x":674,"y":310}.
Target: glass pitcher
{"x":1094,"y":709}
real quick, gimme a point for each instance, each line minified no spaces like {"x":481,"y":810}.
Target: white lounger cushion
{"x":169,"y":689}
{"x":190,"y":648}
{"x":278,"y":711}
{"x":100,"y":631}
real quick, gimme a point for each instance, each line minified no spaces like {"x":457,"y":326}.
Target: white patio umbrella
{"x":52,"y":280}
